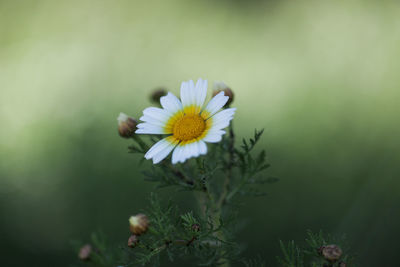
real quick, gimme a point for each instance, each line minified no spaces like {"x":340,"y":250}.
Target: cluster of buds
{"x":331,"y":252}
{"x":126,"y":125}
{"x":220,"y":86}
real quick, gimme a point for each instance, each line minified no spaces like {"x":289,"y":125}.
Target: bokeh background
{"x":322,"y":77}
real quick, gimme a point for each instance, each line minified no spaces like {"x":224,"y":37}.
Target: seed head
{"x":126,"y":125}
{"x":133,"y":241}
{"x":84,"y":252}
{"x":157,"y":94}
{"x":331,"y":252}
{"x":138,"y":224}
{"x":220,"y":86}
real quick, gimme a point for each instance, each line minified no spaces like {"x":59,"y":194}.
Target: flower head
{"x":187,"y":123}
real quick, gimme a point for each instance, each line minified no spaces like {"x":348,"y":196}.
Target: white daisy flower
{"x":187,"y":123}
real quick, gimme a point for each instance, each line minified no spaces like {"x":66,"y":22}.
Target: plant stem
{"x":141,"y":143}
{"x":217,"y":205}
{"x":228,"y":177}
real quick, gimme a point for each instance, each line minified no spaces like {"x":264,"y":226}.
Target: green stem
{"x":141,"y":143}
{"x":178,"y":173}
{"x":228,"y":177}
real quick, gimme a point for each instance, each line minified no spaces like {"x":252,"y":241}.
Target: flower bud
{"x":195,"y":227}
{"x":157,"y":94}
{"x":138,"y":224}
{"x":222,"y":87}
{"x":126,"y":125}
{"x":133,"y":241}
{"x":84,"y":252}
{"x":331,"y":252}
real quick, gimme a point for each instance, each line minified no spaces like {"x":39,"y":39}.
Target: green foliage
{"x":312,"y":253}
{"x":205,"y":235}
{"x":292,"y":255}
{"x":256,"y":262}
{"x":239,"y":169}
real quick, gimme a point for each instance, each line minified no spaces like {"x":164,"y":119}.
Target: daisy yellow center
{"x":189,"y":127}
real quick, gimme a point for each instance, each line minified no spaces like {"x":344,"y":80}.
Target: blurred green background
{"x":322,"y":77}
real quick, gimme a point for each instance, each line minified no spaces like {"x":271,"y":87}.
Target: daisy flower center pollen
{"x":189,"y":127}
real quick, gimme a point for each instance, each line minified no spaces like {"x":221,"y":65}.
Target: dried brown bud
{"x":138,"y":224}
{"x":331,"y":252}
{"x":84,"y":252}
{"x":196,"y":227}
{"x":157,"y":94}
{"x":133,"y":241}
{"x":222,"y":87}
{"x":342,"y":264}
{"x":126,"y":125}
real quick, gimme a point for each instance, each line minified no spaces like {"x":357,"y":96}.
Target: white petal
{"x":153,"y":121}
{"x":222,"y":124}
{"x":163,"y":154}
{"x":216,"y":103}
{"x":157,"y":113}
{"x":185,"y":94}
{"x":193,"y":95}
{"x":194,"y":149}
{"x":202,"y":147}
{"x":187,"y":152}
{"x":160,"y":150}
{"x":201,"y":92}
{"x":147,"y":128}
{"x":156,"y":148}
{"x":213,"y":138}
{"x":184,"y":152}
{"x":192,"y":92}
{"x":220,"y":132}
{"x":171,"y":103}
{"x":221,"y":119}
{"x":176,"y":155}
